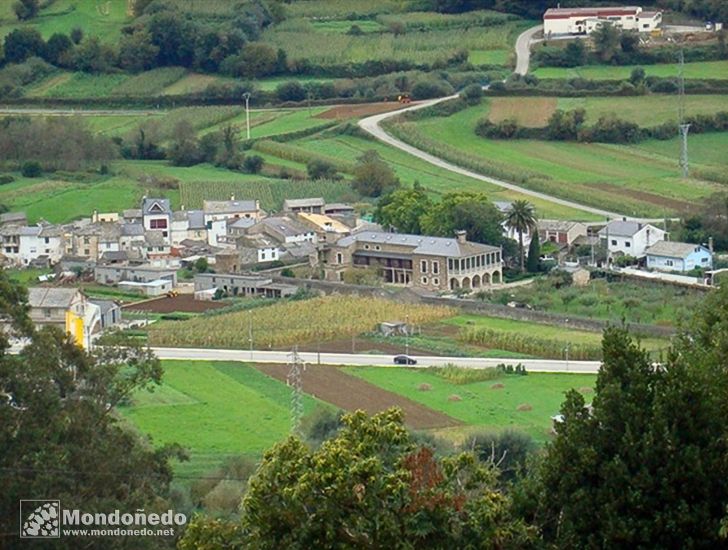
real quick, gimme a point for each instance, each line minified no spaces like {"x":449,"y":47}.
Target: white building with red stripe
{"x":561,"y":21}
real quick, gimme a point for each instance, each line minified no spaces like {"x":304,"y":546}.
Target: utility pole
{"x":684,"y":126}
{"x":406,"y":335}
{"x":295,"y":380}
{"x":250,"y":333}
{"x":246,"y":96}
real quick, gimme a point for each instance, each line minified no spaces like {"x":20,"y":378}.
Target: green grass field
{"x":102,"y":18}
{"x":635,"y":302}
{"x":634,"y":179}
{"x":703,"y":69}
{"x":480,"y":405}
{"x":436,"y":180}
{"x":214,"y":409}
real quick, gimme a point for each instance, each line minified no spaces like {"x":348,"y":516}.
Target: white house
{"x":286,"y":230}
{"x":157,"y":217}
{"x":676,"y":256}
{"x":188,"y":224}
{"x":581,"y":21}
{"x":232,"y":209}
{"x":630,"y":238}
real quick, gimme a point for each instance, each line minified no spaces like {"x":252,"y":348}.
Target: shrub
{"x":461,"y":375}
{"x":252,"y":164}
{"x":427,"y":89}
{"x":31,"y":169}
{"x":291,"y":91}
{"x":473,"y":94}
{"x":6,"y":178}
{"x":508,"y":450}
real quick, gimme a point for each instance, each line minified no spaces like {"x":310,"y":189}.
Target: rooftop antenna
{"x":296,"y":366}
{"x":684,"y":126}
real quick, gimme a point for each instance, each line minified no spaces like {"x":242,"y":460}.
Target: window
{"x":339,"y":258}
{"x":377,"y":247}
{"x":614,"y":242}
{"x":86,"y":240}
{"x":423,"y":266}
{"x":47,"y":312}
{"x":47,"y":240}
{"x":704,"y":260}
{"x":424,"y":280}
{"x":436,"y":281}
{"x":627,"y":244}
{"x":86,"y":252}
{"x":158,"y":224}
{"x":366,"y":247}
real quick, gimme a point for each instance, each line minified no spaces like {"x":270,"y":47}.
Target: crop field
{"x":103,"y":18}
{"x":345,"y":9}
{"x":536,"y":340}
{"x":270,"y":192}
{"x":214,"y":409}
{"x":79,"y":85}
{"x":646,"y":111}
{"x":635,"y":302}
{"x":284,"y":324}
{"x":702,"y":69}
{"x":436,"y":180}
{"x":491,"y":404}
{"x":301,"y":40}
{"x":629,"y":179}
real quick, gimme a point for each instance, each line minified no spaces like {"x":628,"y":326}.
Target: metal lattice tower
{"x":296,"y":366}
{"x":684,"y":126}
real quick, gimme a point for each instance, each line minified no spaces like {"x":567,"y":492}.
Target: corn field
{"x":529,"y":345}
{"x":294,"y":322}
{"x":294,"y":153}
{"x":270,"y":192}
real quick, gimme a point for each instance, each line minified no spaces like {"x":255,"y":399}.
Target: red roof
{"x":567,"y":13}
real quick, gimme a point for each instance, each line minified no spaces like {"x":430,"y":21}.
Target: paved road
{"x":372,"y":126}
{"x":523,"y":49}
{"x":532,"y":365}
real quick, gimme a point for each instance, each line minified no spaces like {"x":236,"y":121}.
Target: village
{"x":234,"y":248}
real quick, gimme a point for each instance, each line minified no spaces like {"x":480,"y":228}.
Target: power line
{"x":295,"y":380}
{"x":684,"y":126}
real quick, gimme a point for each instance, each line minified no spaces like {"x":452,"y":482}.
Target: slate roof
{"x":623,"y":228}
{"x":162,"y":206}
{"x":286,"y":226}
{"x":47,"y":297}
{"x":421,"y":244}
{"x":13,"y":217}
{"x":132,"y":230}
{"x":225,"y":207}
{"x":290,"y":204}
{"x":672,"y":249}
{"x":556,"y":225}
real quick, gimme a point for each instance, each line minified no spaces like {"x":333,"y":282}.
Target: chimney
{"x":182,"y":208}
{"x":462,"y":236}
{"x":710,"y":244}
{"x":232,"y":197}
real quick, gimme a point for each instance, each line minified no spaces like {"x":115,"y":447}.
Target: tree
{"x":645,"y":465}
{"x":31,"y":169}
{"x":402,"y":209}
{"x":58,"y":431}
{"x":521,"y":218}
{"x":291,"y":91}
{"x":534,"y":254}
{"x":372,"y":176}
{"x":575,"y":53}
{"x":629,"y":41}
{"x":58,"y":48}
{"x":26,"y":9}
{"x":92,"y":56}
{"x":201,"y":265}
{"x":473,"y":94}
{"x":368,"y":486}
{"x":470,"y":212}
{"x":76,"y":35}
{"x":137,"y":52}
{"x":20,"y":44}
{"x":256,"y":60}
{"x":185,"y":149}
{"x":637,"y":76}
{"x":565,"y":125}
{"x":253,"y":164}
{"x":606,"y":40}
{"x":507,"y":449}
{"x":318,"y":169}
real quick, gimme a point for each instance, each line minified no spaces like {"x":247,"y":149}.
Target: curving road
{"x":372,"y":126}
{"x":364,"y":359}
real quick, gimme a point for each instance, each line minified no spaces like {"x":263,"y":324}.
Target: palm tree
{"x":521,"y":218}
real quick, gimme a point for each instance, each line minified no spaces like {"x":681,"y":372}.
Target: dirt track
{"x":358,"y":110}
{"x":185,"y":303}
{"x":350,"y":393}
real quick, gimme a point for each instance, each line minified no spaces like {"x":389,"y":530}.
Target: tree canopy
{"x":59,"y":435}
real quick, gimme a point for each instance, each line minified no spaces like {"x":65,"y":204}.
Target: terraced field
{"x":703,"y":69}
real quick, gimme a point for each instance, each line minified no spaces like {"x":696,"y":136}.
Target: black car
{"x":404,"y":360}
